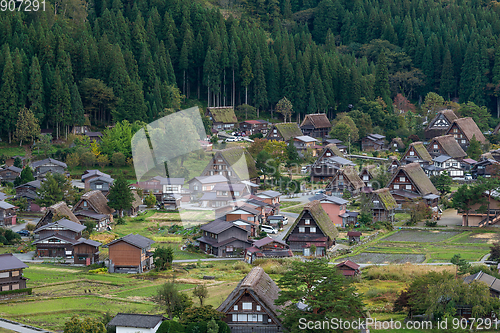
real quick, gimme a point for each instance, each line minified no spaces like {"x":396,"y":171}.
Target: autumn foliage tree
{"x":27,"y":126}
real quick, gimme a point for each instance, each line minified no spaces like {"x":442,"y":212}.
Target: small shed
{"x":354,"y":236}
{"x":136,"y":323}
{"x":348,"y":268}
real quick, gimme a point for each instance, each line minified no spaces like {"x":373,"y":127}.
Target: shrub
{"x":170,"y":326}
{"x":430,"y":223}
{"x":88,"y":159}
{"x":118,"y":159}
{"x":102,"y":270}
{"x":73,"y":160}
{"x":102,"y":160}
{"x":30,"y":227}
{"x":120,"y":221}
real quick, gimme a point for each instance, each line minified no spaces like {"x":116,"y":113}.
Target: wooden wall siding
{"x":232,"y":232}
{"x":302,"y":223}
{"x":123,"y":254}
{"x":402,"y":185}
{"x":49,"y":168}
{"x":48,"y":250}
{"x":244,"y":217}
{"x":105,"y":186}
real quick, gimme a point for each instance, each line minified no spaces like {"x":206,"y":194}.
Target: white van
{"x":268,"y":229}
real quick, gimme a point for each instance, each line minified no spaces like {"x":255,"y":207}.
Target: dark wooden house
{"x":346,"y":180}
{"x":485,"y":168}
{"x":397,"y":144}
{"x":93,"y":205}
{"x":8,"y":213}
{"x":283,"y":132}
{"x":57,"y":239}
{"x":328,"y":163}
{"x":440,"y":123}
{"x":234,"y":163}
{"x":130,"y":253}
{"x":373,"y":142}
{"x":446,"y":145}
{"x":393,"y":164}
{"x":250,"y":127}
{"x":48,"y":165}
{"x":349,"y":268}
{"x":463,"y":130}
{"x":10,"y":173}
{"x":316,"y":125}
{"x":93,"y":136}
{"x":101,"y":183}
{"x":383,"y":205}
{"x":410,"y":182}
{"x":354,"y":236}
{"x":367,"y":174}
{"x":28,"y":191}
{"x":250,"y":307}
{"x":11,"y":273}
{"x":223,"y":238}
{"x":312,"y":226}
{"x":416,"y":152}
{"x":86,"y":251}
{"x":267,"y":247}
{"x":223,"y":118}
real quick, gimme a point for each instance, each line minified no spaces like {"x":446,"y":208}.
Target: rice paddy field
{"x":426,"y":246}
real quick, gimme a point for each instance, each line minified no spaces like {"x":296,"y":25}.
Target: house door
{"x":307,"y":251}
{"x":53,"y":252}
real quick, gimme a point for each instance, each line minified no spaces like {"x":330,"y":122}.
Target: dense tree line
{"x":118,"y":60}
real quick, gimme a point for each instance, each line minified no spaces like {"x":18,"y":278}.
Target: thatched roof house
{"x":56,"y":212}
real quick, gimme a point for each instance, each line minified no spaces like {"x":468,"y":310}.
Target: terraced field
{"x":433,"y":246}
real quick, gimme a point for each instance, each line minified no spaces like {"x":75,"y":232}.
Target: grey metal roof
{"x":13,"y":168}
{"x":340,"y":160}
{"x":210,"y":179}
{"x":169,"y":181}
{"x":88,"y":242}
{"x":8,"y":261}
{"x":491,"y":281}
{"x":269,"y":193}
{"x":218,"y":225}
{"x":70,"y":225}
{"x":306,"y":138}
{"x":136,"y":320}
{"x":91,"y":214}
{"x":48,"y":160}
{"x":94,"y":173}
{"x":229,"y":187}
{"x":335,"y":200}
{"x":102,"y":178}
{"x":6,"y":205}
{"x":441,"y":158}
{"x":34,"y":183}
{"x":58,"y":236}
{"x":246,"y":209}
{"x":3,"y":196}
{"x":135,"y":240}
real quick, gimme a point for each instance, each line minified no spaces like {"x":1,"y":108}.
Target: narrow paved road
{"x":18,"y":327}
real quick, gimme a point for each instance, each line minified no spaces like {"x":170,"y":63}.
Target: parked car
{"x":268,"y":229}
{"x":231,"y":139}
{"x":320,"y":192}
{"x":23,"y":232}
{"x":468,"y":176}
{"x":277,"y":218}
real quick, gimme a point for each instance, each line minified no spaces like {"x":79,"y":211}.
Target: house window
{"x":365,"y":178}
{"x":259,"y":317}
{"x":312,"y":230}
{"x":408,"y":187}
{"x":402,"y":179}
{"x":204,"y":188}
{"x":251,"y":218}
{"x":463,"y":141}
{"x":275,"y":131}
{"x":220,"y":161}
{"x":258,"y":309}
{"x":235,"y":316}
{"x":235,"y":308}
{"x":412,"y":153}
{"x":435,"y":146}
{"x":196,"y":186}
{"x":229,"y":249}
{"x":246,"y":306}
{"x":396,"y":187}
{"x":328,"y":154}
{"x":237,"y":194}
{"x":85,"y":204}
{"x":229,"y":173}
{"x":98,"y":186}
{"x":454,"y":164}
{"x":307,"y":221}
{"x":302,"y":229}
{"x":15,"y":273}
{"x":252,"y":317}
{"x":242,"y":317}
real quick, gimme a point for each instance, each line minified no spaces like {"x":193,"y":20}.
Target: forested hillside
{"x":117,"y":60}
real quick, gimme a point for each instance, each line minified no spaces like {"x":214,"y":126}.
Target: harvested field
{"x":420,"y":236}
{"x":387,"y":258}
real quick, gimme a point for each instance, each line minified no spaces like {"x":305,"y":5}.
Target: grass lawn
{"x":11,"y":150}
{"x":286,"y":204}
{"x":294,"y":209}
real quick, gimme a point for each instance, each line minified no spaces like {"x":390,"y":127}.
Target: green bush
{"x":430,"y":223}
{"x":170,"y":326}
{"x":17,"y":291}
{"x":102,"y":270}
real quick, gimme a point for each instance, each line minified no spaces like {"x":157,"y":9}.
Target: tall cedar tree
{"x":35,"y":93}
{"x":381,"y":86}
{"x":246,"y":75}
{"x":260,"y":93}
{"x":120,"y":195}
{"x":448,"y":82}
{"x":8,"y":97}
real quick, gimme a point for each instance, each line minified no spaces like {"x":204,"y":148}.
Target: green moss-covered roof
{"x":288,"y":130}
{"x":223,"y":115}
{"x":243,"y":170}
{"x":421,"y":151}
{"x":320,"y":217}
{"x":386,"y":198}
{"x":418,"y":177}
{"x":353,"y":177}
{"x":335,"y":150}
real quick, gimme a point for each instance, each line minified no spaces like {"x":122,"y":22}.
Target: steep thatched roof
{"x":469,"y":128}
{"x":333,"y":147}
{"x":368,"y":168}
{"x":97,"y":201}
{"x":418,"y":177}
{"x":320,"y":217}
{"x":449,"y":145}
{"x":318,"y":120}
{"x":399,"y":142}
{"x":353,"y":177}
{"x":421,"y":151}
{"x":258,"y":284}
{"x":288,"y":130}
{"x":56,"y":212}
{"x":223,"y":114}
{"x":137,"y":200}
{"x":386,"y":198}
{"x":241,"y":161}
